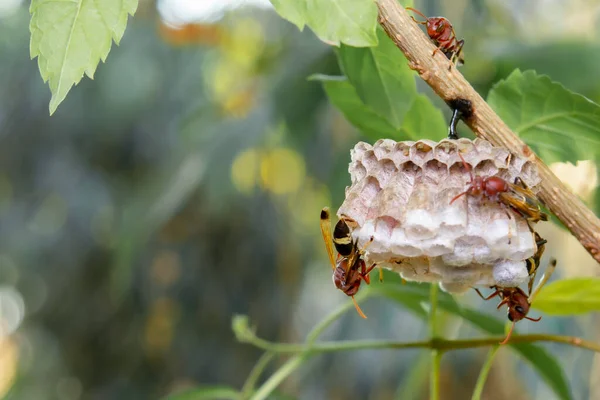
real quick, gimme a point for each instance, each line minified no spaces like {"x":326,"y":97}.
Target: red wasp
{"x":350,"y":269}
{"x":517,"y":301}
{"x":516,"y":196}
{"x":442,"y":34}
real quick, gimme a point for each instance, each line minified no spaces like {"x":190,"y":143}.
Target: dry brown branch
{"x":485,"y":123}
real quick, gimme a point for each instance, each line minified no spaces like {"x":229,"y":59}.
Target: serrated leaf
{"x":70,"y":37}
{"x":412,"y":296}
{"x":569,"y":296}
{"x":207,"y":393}
{"x":386,"y":85}
{"x":557,"y":124}
{"x":343,"y":95}
{"x":352,"y":22}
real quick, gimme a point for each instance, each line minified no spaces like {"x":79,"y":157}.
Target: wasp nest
{"x":400,"y":196}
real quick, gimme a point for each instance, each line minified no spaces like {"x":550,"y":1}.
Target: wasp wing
{"x":326,"y":232}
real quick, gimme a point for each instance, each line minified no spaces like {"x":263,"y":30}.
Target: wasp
{"x":533,"y":262}
{"x":442,"y":34}
{"x":517,"y":301}
{"x":521,"y":199}
{"x":350,"y":269}
{"x":516,"y":196}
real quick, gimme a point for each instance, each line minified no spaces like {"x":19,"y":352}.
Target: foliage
{"x":378,"y":94}
{"x":557,"y":124}
{"x":69,"y":38}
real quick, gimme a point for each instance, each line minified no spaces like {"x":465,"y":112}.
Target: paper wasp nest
{"x":400,"y":195}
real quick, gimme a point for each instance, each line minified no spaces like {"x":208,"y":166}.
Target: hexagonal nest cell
{"x":400,"y":196}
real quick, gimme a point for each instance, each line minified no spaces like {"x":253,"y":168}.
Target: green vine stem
{"x":436,"y":354}
{"x":255,"y":373}
{"x":245,"y":334}
{"x":434,"y":343}
{"x":485,"y":370}
{"x":279,"y":376}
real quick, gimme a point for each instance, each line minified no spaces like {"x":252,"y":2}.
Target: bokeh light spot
{"x":12,"y":310}
{"x":244,"y":170}
{"x":9,"y":360}
{"x":282,"y":171}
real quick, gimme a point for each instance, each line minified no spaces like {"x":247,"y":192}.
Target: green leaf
{"x":207,"y":393}
{"x":557,"y":124}
{"x":343,"y":95}
{"x":385,"y":84}
{"x":293,"y":11}
{"x":569,"y":296}
{"x":352,"y":22}
{"x":424,"y":120}
{"x":70,"y":37}
{"x":413,"y":296}
{"x":381,"y":78}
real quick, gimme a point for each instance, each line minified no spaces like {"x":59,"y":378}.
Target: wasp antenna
{"x":456,"y":197}
{"x":509,"y":333}
{"x":467,"y":167}
{"x":360,"y":312}
{"x":533,"y":319}
{"x":418,"y":12}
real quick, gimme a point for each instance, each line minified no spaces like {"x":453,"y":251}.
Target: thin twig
{"x":485,"y":123}
{"x":435,"y":343}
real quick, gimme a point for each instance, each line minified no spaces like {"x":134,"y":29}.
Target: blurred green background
{"x":183,"y":185}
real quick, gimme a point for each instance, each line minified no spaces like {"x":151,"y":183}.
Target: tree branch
{"x":485,"y":123}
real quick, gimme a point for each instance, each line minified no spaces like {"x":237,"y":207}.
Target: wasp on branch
{"x":442,"y":34}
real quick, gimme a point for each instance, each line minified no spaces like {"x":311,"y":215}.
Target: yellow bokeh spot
{"x":160,"y":326}
{"x":245,"y":43}
{"x":244,"y":170}
{"x":9,"y":360}
{"x":282,"y":171}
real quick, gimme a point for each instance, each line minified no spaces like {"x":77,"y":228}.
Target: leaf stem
{"x":434,"y":384}
{"x":485,"y":370}
{"x":436,"y":354}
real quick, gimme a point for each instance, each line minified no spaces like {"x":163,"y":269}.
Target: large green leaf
{"x":569,"y":296}
{"x":413,"y":296}
{"x":386,"y":85}
{"x":558,"y":124}
{"x":343,"y":95}
{"x":352,"y":22}
{"x":70,"y":37}
{"x":424,"y":120}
